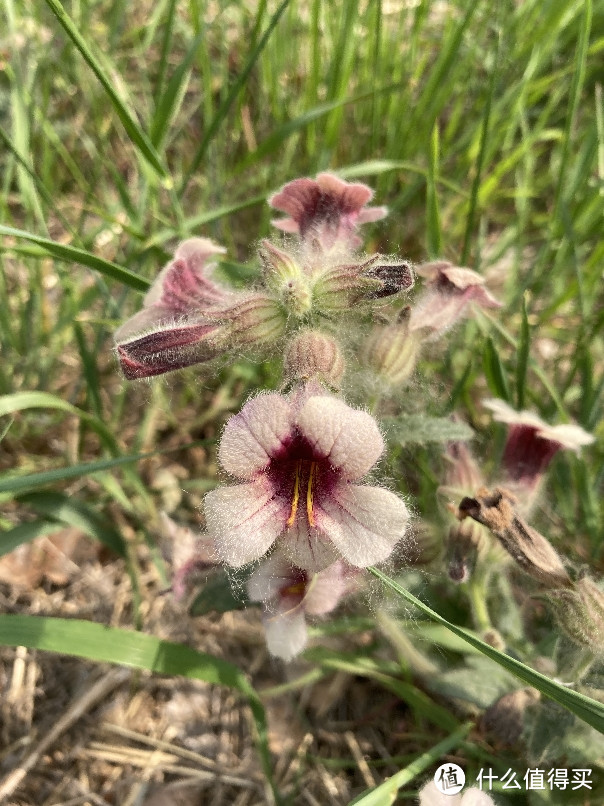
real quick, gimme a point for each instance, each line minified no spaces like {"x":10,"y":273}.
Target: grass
{"x":126,"y":129}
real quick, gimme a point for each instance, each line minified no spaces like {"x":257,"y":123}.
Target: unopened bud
{"x":338,"y":288}
{"x":504,"y":720}
{"x":312,"y":354}
{"x":259,"y":319}
{"x":580,"y":613}
{"x":278,"y":264}
{"x":392,"y":352}
{"x":532,"y":552}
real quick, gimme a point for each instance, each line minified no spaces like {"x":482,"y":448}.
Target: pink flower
{"x":326,"y":209}
{"x":290,"y":593}
{"x":188,"y":318}
{"x":532,"y":443}
{"x":298,"y":459}
{"x":450,"y":289}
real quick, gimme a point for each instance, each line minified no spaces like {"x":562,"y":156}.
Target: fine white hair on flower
{"x":289,"y":594}
{"x":430,"y":795}
{"x":298,"y":457}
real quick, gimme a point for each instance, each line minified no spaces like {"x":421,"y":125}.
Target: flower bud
{"x":580,"y":613}
{"x":465,"y":542}
{"x":312,"y":354}
{"x":392,"y":352}
{"x":258,"y":319}
{"x":504,"y":719}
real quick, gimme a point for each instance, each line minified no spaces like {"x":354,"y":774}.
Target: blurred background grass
{"x":126,"y":127}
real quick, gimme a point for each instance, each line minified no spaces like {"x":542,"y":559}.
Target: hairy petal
{"x":272,"y":575}
{"x":244,"y":521}
{"x":364,"y":523}
{"x":325,"y":590}
{"x":349,"y":439}
{"x":308,"y":547}
{"x":286,"y":634}
{"x":257,"y":434}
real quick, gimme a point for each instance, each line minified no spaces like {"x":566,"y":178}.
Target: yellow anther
{"x":294,"y":509}
{"x":309,"y":494}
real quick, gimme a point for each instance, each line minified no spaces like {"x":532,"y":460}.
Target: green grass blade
{"x":21,"y":401}
{"x":171,"y":99}
{"x":71,"y":512}
{"x":494,"y":371}
{"x":96,"y":642}
{"x":11,"y":539}
{"x":575,"y":97}
{"x":585,"y":708}
{"x":385,"y":793}
{"x":11,"y":483}
{"x":230,"y":99}
{"x":433,"y":229}
{"x":522,"y":357}
{"x":135,"y":133}
{"x":484,"y":133}
{"x":72,"y":254}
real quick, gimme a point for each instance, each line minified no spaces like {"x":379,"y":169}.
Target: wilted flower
{"x":188,"y":318}
{"x":532,"y":443}
{"x":431,"y":796}
{"x":530,"y":549}
{"x":298,"y":459}
{"x":290,"y":593}
{"x":504,"y":719}
{"x":325,"y":210}
{"x":450,"y":289}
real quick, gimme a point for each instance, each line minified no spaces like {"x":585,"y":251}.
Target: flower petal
{"x":307,"y":547}
{"x":270,"y":577}
{"x":324,"y":590}
{"x":364,"y":523}
{"x":286,"y":634}
{"x":256,"y":435}
{"x":244,"y":521}
{"x":183,"y":284}
{"x":348,"y":438}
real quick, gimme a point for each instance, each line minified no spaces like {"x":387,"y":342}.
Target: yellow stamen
{"x":296,"y":589}
{"x":294,"y":509}
{"x":309,"y":494}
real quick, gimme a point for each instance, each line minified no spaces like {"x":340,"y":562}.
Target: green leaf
{"x":218,"y":595}
{"x":96,"y":642}
{"x":416,"y":429}
{"x":72,"y":512}
{"x":72,"y":254}
{"x":585,"y":708}
{"x":495,"y":372}
{"x":385,"y":793}
{"x":135,"y":133}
